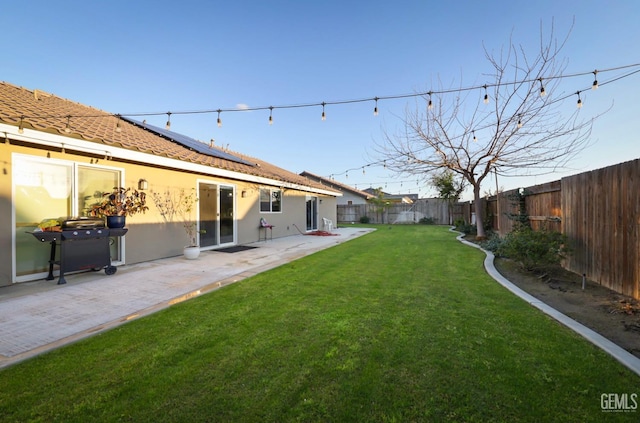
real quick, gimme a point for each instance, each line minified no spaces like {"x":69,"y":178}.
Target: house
{"x":350,"y":195}
{"x":394,"y":198}
{"x":58,"y":157}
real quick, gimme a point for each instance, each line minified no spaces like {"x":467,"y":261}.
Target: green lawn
{"x":399,"y":325}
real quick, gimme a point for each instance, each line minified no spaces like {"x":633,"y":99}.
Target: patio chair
{"x":264,"y":226}
{"x":328,"y":224}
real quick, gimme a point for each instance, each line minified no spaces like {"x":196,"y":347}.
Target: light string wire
{"x":557,"y":100}
{"x":336,"y":102}
{"x":374,"y":99}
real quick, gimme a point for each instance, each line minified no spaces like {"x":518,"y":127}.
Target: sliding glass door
{"x":217,"y":214}
{"x":52,"y":189}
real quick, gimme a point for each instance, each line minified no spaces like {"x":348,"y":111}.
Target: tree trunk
{"x":479,"y":213}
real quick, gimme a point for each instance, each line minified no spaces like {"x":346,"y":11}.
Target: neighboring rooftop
{"x":330,"y":183}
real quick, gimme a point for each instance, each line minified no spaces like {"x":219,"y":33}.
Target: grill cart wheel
{"x":110,"y":270}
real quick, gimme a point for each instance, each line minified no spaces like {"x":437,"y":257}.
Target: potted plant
{"x":181,"y":206}
{"x":118,"y":204}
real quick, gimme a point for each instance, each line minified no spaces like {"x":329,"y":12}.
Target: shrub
{"x":364,"y":219}
{"x":534,"y":249}
{"x":466,"y":228}
{"x":492,"y":243}
{"x":427,"y":221}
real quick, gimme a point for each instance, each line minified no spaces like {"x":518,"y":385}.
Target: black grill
{"x":84,"y":245}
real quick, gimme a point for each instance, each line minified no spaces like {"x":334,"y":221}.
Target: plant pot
{"x":191,"y":253}
{"x":116,"y":222}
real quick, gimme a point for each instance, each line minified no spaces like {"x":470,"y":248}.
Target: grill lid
{"x":82,"y":223}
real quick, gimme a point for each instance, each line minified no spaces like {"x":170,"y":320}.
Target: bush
{"x":466,"y":229}
{"x":493,"y":243}
{"x":427,"y":221}
{"x":364,"y":219}
{"x":534,"y":249}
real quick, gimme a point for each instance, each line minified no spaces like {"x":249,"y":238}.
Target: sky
{"x":128,"y":57}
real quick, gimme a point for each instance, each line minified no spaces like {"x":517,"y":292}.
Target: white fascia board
{"x":53,"y":140}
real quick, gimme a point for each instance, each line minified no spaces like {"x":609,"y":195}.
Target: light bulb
{"x":579,"y":104}
{"x":21,"y":125}
{"x":375,"y":109}
{"x":168,"y":125}
{"x":219,"y":120}
{"x":270,"y":115}
{"x":542,"y":91}
{"x":324,"y":117}
{"x":486,"y":95}
{"x":595,"y":80}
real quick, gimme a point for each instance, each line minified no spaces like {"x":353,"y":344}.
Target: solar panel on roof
{"x":189,"y":142}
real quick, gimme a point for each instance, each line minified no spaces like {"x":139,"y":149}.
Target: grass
{"x":399,"y":325}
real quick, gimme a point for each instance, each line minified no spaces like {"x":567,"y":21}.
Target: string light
{"x":270,"y":115}
{"x":579,"y":104}
{"x":168,"y":125}
{"x":375,"y":109}
{"x":67,"y":128}
{"x":542,"y":93}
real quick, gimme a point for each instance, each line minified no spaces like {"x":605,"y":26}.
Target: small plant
{"x":364,"y":219}
{"x":534,"y":250}
{"x":120,"y":202}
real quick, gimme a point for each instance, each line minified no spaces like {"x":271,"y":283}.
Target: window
{"x":270,"y":200}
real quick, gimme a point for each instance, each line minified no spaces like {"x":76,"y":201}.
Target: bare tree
{"x":513,"y":127}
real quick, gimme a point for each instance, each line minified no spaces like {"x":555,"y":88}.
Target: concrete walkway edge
{"x":623,"y":356}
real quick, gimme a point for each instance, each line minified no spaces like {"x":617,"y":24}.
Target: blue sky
{"x":161,"y":56}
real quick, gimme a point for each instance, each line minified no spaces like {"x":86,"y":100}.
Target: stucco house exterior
{"x":58,"y":156}
{"x":350,"y":196}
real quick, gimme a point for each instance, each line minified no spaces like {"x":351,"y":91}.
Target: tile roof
{"x":46,"y":112}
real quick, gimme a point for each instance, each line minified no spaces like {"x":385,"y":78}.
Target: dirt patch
{"x":612,"y":315}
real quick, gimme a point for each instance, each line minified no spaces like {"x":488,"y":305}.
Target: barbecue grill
{"x":84,"y":245}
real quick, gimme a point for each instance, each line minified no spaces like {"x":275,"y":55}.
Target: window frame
{"x":273,"y":193}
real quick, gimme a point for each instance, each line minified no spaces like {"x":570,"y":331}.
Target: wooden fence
{"x":599,"y":211}
{"x":433,"y":208}
{"x":601,"y":217}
